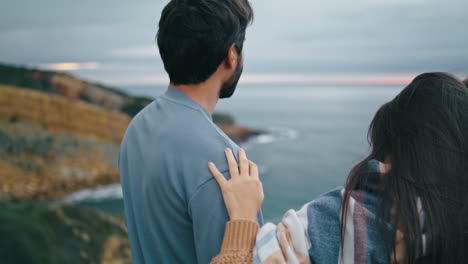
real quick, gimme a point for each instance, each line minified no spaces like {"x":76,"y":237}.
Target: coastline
{"x":61,"y":134}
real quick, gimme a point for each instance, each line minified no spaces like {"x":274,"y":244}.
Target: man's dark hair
{"x":195,"y":35}
{"x":466,"y":82}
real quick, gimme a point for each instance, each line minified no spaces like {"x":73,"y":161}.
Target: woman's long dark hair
{"x":423,"y":134}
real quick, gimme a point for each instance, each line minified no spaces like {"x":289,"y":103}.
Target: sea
{"x":314,"y":136}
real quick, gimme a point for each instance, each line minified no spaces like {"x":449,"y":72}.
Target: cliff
{"x":72,"y":88}
{"x":52,"y":145}
{"x":105,"y":97}
{"x":61,"y":114}
{"x":59,"y":134}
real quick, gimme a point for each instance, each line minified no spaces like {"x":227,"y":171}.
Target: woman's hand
{"x":243,"y":193}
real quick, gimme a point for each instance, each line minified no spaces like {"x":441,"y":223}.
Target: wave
{"x":113,"y":191}
{"x":273,"y":134}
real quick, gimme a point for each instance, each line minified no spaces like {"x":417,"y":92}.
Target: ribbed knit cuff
{"x":239,"y":234}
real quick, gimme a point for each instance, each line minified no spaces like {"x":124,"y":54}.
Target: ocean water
{"x":315,"y":136}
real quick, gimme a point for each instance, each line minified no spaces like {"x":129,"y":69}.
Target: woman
{"x":405,"y":203}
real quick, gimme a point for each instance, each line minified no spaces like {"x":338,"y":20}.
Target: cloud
{"x":301,"y":37}
{"x":135,"y":52}
{"x":70,"y":66}
{"x":359,"y":36}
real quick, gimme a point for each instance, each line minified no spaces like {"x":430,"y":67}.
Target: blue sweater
{"x":173,"y":207}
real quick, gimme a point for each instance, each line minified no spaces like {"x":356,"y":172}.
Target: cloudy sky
{"x":291,"y":41}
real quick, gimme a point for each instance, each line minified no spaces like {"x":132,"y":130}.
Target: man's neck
{"x":206,"y":94}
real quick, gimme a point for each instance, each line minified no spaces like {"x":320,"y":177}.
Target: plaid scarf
{"x":312,"y":234}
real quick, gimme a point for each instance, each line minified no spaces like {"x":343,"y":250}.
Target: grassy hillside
{"x":59,"y":134}
{"x":71,"y":87}
{"x":39,"y":232}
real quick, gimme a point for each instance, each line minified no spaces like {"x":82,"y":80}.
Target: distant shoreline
{"x":61,"y":135}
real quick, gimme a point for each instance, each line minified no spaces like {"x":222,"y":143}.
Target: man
{"x":174,"y":208}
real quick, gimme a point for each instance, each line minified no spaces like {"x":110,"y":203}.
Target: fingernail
{"x":227,"y":150}
{"x":210,"y":164}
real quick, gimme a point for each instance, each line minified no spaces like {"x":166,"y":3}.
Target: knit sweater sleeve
{"x":238,"y":243}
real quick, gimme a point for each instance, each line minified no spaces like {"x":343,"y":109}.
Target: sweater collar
{"x":178,"y":96}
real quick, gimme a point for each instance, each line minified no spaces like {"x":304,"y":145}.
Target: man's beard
{"x":229,"y":87}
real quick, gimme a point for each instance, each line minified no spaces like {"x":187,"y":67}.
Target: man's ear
{"x":232,"y":57}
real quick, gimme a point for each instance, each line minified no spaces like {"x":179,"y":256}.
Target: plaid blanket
{"x":312,"y":234}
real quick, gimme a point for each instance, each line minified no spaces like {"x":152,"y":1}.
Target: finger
{"x":253,"y":169}
{"x":243,"y":163}
{"x":232,"y":163}
{"x":219,"y":177}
